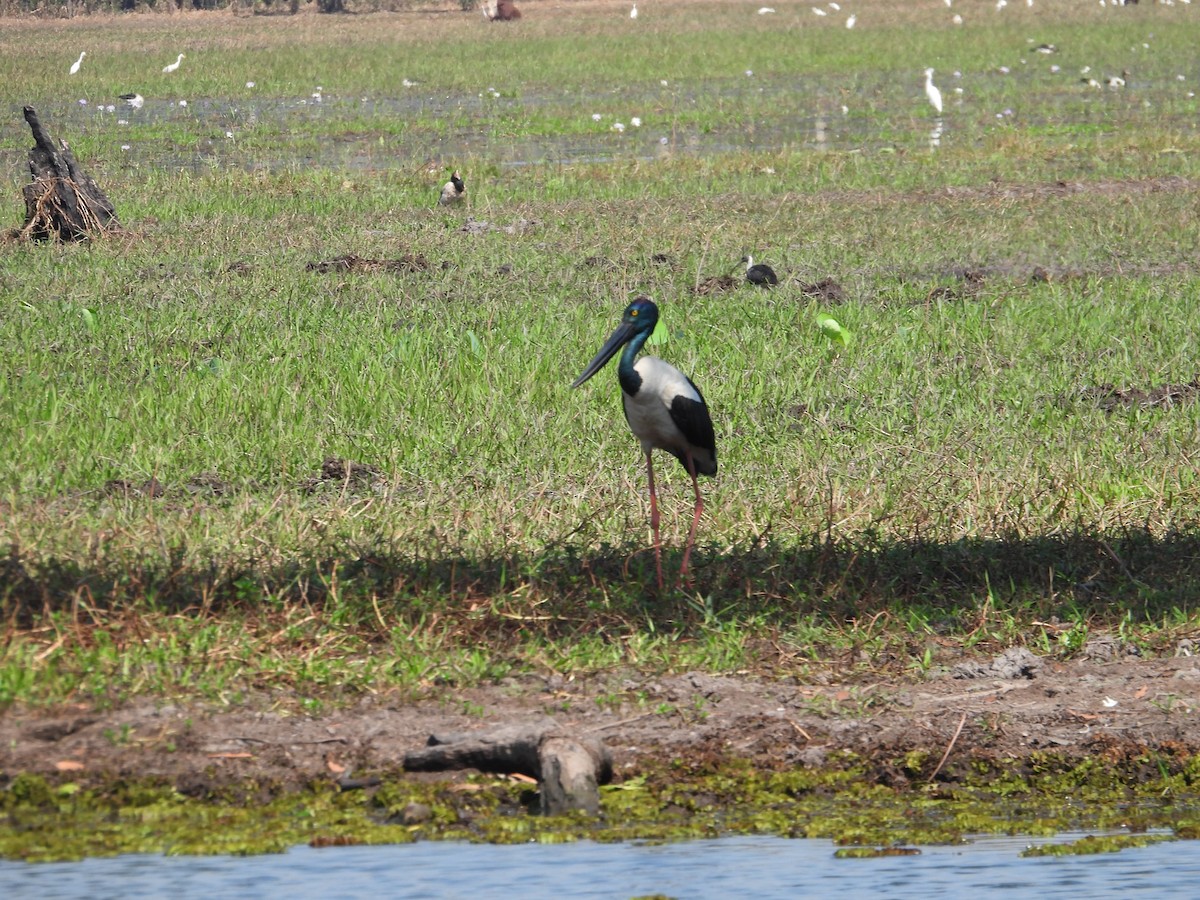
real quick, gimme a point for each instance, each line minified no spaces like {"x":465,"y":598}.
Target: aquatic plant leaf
{"x":833,"y":330}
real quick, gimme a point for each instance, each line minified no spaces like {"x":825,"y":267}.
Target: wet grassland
{"x":234,"y":473}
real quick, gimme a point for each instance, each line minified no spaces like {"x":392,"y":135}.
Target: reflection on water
{"x":761,"y":867}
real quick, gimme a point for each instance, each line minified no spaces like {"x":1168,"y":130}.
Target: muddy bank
{"x":1016,"y":706}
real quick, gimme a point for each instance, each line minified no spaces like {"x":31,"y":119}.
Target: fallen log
{"x":569,"y":770}
{"x":62,"y":202}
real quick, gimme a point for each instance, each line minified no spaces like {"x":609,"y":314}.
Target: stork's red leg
{"x":687,"y":552}
{"x":654,"y":521}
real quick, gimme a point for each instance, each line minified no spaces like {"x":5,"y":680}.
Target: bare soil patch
{"x":1012,"y":707}
{"x":1110,"y":398}
{"x":351,"y":262}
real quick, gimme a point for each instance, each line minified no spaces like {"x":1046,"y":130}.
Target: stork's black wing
{"x":691,"y":417}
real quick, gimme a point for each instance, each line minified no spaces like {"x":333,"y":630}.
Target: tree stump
{"x":569,"y":770}
{"x":62,"y":202}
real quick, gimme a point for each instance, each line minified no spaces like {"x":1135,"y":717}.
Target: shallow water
{"x":370,"y":133}
{"x":762,"y":867}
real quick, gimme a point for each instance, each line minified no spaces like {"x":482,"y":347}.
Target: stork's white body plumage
{"x":649,"y":412}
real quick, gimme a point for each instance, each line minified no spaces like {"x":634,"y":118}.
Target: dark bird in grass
{"x":665,"y":411}
{"x":453,"y":190}
{"x":759,"y":273}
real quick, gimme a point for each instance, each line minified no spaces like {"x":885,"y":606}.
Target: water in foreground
{"x":763,"y":867}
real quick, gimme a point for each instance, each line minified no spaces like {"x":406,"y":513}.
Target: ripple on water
{"x":764,"y":867}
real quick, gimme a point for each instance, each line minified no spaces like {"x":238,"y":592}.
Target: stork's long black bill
{"x":619,"y":338}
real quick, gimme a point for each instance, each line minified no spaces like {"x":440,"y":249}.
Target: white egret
{"x":934,"y":95}
{"x":168,"y":69}
{"x":79,"y":62}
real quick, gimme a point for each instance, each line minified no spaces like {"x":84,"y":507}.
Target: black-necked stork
{"x":79,"y":62}
{"x":759,"y":273}
{"x":453,"y":190}
{"x":664,"y":411}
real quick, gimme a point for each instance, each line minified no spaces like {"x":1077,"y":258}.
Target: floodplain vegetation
{"x":242,"y":460}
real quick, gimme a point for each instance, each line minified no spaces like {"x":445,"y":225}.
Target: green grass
{"x":945,"y":473}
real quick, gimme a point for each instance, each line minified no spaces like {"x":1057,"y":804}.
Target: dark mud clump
{"x":343,"y":473}
{"x":718,"y":284}
{"x":1012,"y":664}
{"x":1110,"y":398}
{"x":353,"y":263}
{"x":826,"y":290}
{"x":120,"y":487}
{"x":209,"y":484}
{"x":239,"y":267}
{"x":481,"y":226}
{"x":969,"y":282}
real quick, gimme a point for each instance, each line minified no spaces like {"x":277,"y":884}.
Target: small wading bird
{"x":453,"y":190}
{"x":664,"y":411}
{"x":173,"y":66}
{"x":759,"y":273}
{"x":79,"y":62}
{"x":633,"y":12}
{"x":134,"y":100}
{"x":931,"y":91}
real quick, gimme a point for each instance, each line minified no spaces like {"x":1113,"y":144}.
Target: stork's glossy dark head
{"x":639,"y":319}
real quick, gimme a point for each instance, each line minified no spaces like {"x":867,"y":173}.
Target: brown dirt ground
{"x":1011,"y":707}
